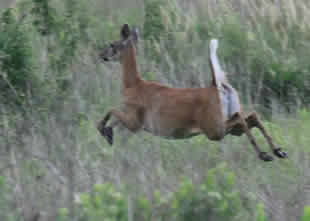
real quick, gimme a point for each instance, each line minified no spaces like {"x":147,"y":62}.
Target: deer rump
{"x":229,"y":98}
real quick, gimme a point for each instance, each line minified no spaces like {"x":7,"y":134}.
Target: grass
{"x":263,"y":47}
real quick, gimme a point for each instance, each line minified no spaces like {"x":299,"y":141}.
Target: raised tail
{"x":218,"y":75}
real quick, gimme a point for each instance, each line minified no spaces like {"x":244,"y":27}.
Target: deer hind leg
{"x":253,"y":121}
{"x":238,"y":125}
{"x":128,"y":120}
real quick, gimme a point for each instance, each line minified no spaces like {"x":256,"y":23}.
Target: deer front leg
{"x":238,"y":121}
{"x":128,"y":120}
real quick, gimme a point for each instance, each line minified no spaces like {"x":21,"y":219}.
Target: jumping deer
{"x":178,"y":113}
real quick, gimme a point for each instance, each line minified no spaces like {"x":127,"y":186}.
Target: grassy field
{"x":55,"y":166}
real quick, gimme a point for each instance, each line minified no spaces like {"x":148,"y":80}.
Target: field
{"x":54,"y":165}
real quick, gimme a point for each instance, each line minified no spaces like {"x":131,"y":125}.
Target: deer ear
{"x":125,"y":31}
{"x":135,"y":34}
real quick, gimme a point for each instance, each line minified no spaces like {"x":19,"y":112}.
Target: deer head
{"x":129,"y":38}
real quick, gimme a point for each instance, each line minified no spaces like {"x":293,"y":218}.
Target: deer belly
{"x":175,"y":133}
{"x":230,"y":103}
{"x":171,"y":129}
{"x":182,"y":133}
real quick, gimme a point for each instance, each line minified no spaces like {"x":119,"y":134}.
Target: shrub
{"x":16,"y":66}
{"x":103,"y":203}
{"x":215,"y":199}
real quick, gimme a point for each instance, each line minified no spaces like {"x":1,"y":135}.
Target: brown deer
{"x":178,"y":113}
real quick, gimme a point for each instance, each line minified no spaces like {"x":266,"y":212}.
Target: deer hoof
{"x":106,"y":132}
{"x":265,"y":156}
{"x":279,"y":153}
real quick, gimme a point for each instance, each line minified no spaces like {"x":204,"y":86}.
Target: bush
{"x":103,"y":203}
{"x":153,"y":23}
{"x":215,"y":199}
{"x":106,"y":203}
{"x":16,"y":66}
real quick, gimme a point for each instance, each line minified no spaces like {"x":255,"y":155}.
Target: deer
{"x":178,"y":113}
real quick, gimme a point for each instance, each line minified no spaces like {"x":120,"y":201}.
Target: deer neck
{"x":129,"y":68}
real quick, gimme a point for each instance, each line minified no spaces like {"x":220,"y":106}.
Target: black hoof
{"x":265,"y":156}
{"x":279,"y":153}
{"x":106,"y":132}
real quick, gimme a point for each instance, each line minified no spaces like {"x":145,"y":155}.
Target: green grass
{"x":264,"y":49}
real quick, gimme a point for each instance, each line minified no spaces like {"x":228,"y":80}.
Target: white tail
{"x":218,"y":74}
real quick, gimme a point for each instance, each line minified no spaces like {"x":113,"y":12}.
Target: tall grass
{"x":263,"y":48}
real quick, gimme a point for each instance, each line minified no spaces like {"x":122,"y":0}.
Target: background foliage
{"x":55,"y":166}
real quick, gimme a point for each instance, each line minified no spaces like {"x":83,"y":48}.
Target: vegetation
{"x":55,"y":166}
{"x":215,"y":198}
{"x":16,"y":63}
